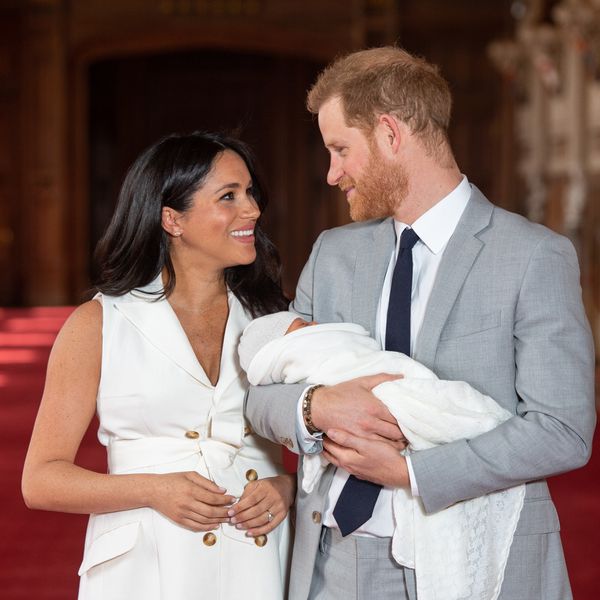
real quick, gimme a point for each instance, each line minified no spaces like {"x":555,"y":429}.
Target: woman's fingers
{"x":194,"y":525}
{"x":203,"y":482}
{"x":200,"y":505}
{"x":252,"y":504}
{"x":191,"y":500}
{"x":257,"y":514}
{"x":264,"y":504}
{"x":208,"y":512}
{"x":262,"y":528}
{"x":218,"y":500}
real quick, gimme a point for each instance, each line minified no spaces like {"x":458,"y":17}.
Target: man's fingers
{"x":330,"y":458}
{"x":398,"y":444}
{"x":371,"y":381}
{"x":389,"y":431}
{"x":339,"y":439}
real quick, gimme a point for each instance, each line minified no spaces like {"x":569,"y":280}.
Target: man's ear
{"x":390,"y":133}
{"x":169,"y":218}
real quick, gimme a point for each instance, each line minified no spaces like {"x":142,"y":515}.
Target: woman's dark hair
{"x":135,"y":248}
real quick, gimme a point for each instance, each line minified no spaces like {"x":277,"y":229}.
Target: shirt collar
{"x":436,"y":226}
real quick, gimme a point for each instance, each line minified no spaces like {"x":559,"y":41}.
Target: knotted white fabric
{"x":459,"y":552}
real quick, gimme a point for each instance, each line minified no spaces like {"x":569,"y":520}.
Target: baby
{"x":283,"y":348}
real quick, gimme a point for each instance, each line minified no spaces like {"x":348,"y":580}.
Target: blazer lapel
{"x":459,"y":256}
{"x":372,"y":261}
{"x":159,"y":325}
{"x":230,"y":362}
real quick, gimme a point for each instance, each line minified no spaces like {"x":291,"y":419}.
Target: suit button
{"x":252,"y":475}
{"x":209,"y":539}
{"x":192,"y":435}
{"x":260,"y":540}
{"x":316,"y":517}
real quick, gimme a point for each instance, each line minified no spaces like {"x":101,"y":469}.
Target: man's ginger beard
{"x":381,"y":189}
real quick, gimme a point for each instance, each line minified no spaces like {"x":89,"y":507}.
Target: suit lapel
{"x":372,"y":260}
{"x":459,"y":256}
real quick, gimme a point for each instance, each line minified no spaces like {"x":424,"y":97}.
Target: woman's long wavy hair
{"x":135,"y":248}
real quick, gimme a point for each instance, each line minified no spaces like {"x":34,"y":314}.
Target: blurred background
{"x":86,"y":85}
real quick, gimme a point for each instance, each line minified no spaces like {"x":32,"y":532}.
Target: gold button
{"x":316,"y":517}
{"x":247,"y":430}
{"x":251,"y":475}
{"x":209,"y":539}
{"x":260,"y":540}
{"x":192,"y":435}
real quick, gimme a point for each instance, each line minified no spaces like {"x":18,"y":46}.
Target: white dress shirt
{"x":434,"y":228}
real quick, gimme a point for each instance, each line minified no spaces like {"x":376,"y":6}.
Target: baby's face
{"x":299,"y":324}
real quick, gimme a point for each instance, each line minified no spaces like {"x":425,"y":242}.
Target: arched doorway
{"x":135,"y":100}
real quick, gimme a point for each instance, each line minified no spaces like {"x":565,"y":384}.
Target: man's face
{"x":373,"y":185}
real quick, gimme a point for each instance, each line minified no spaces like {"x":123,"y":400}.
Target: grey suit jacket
{"x":505,"y":315}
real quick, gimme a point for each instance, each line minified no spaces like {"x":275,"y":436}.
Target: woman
{"x":194,"y":505}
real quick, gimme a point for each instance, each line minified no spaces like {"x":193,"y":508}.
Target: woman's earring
{"x":177,"y":233}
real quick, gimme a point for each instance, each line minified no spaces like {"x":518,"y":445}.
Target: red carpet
{"x":40,"y":552}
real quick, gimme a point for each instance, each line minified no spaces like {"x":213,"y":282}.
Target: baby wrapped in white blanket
{"x":459,"y":552}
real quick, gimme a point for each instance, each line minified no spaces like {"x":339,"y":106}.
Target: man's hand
{"x":374,"y":460}
{"x":352,"y":406}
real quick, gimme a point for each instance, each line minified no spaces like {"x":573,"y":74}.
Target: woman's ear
{"x":169,"y":220}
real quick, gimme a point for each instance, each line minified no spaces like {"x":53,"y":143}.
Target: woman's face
{"x":218,"y":230}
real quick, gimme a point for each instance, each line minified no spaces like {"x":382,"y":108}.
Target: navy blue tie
{"x":397,"y":332}
{"x":358,"y":497}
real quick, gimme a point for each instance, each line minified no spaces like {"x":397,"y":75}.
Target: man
{"x":493,"y":300}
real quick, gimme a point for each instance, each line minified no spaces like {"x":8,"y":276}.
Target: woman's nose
{"x":250,"y":208}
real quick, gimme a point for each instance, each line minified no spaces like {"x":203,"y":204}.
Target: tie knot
{"x":408,"y":239}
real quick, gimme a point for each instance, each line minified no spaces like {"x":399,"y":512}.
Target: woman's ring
{"x":269,"y":516}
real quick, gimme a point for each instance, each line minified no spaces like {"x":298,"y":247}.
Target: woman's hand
{"x":264,"y":504}
{"x":190,"y":500}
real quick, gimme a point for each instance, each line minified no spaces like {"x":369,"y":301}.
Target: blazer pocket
{"x":474,"y":324}
{"x":538,"y":516}
{"x":109,"y":545}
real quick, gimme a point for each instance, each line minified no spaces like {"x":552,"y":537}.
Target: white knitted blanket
{"x":459,"y":552}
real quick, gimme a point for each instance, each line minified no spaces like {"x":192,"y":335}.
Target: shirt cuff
{"x":414,"y":488}
{"x":309,"y":444}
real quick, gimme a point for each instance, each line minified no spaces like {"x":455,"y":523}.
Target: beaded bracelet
{"x":306,"y":409}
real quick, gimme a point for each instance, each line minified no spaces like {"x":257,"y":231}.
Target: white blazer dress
{"x":159,"y":413}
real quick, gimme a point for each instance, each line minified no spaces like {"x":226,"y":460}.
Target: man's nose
{"x":335,"y":171}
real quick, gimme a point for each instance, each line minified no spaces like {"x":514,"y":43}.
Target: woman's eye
{"x":251,"y":191}
{"x":228,"y":196}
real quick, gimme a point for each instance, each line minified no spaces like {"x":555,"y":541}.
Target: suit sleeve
{"x":552,"y":429}
{"x":272,"y":409}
